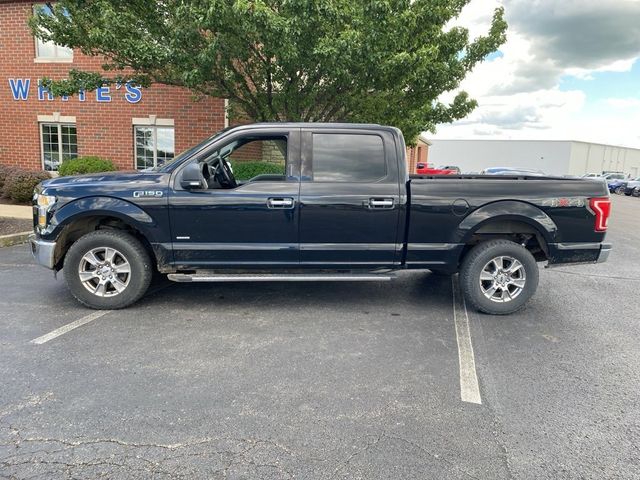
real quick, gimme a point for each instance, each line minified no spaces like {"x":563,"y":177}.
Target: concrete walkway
{"x":16,"y":211}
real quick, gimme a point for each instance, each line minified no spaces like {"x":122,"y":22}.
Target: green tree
{"x":381,"y":61}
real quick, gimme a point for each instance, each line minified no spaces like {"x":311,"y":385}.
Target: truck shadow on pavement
{"x":418,"y":289}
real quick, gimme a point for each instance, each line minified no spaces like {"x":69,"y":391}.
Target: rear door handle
{"x":381,"y":203}
{"x":286,"y":202}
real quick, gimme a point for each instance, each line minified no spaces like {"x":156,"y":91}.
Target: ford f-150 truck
{"x":343,"y":208}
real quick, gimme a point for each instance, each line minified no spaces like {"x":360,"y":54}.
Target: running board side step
{"x":275,"y":277}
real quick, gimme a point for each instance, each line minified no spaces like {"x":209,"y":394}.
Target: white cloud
{"x":619,"y":66}
{"x":522,"y":115}
{"x":624,"y":103}
{"x":519,"y":92}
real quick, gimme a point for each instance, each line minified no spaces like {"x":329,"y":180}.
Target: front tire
{"x":498,"y":277}
{"x":107,"y":270}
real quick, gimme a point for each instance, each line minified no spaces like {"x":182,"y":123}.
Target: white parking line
{"x":469,"y":388}
{"x":83,"y":321}
{"x":68,"y":327}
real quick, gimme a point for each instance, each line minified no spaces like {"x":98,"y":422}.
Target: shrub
{"x":247,"y":170}
{"x":19,"y":184}
{"x":5,"y":171}
{"x":82,"y":165}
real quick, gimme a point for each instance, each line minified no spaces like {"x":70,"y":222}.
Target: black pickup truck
{"x":342,"y":207}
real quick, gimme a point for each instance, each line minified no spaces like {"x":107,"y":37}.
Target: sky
{"x":570,"y":70}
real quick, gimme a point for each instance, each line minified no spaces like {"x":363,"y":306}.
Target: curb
{"x":14,"y":239}
{"x":16,"y":211}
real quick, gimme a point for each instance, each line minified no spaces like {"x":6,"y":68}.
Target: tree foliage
{"x":382,"y":61}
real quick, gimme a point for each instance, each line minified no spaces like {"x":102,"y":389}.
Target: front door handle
{"x":275,"y":202}
{"x":381,"y":203}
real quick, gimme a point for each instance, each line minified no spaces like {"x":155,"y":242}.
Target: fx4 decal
{"x":564,"y":202}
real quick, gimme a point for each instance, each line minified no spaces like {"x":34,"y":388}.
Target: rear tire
{"x":107,"y":269}
{"x":498,"y":277}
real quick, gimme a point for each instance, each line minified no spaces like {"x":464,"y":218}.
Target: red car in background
{"x":423,"y":169}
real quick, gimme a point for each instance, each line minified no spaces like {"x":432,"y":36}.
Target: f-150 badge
{"x":147,"y":193}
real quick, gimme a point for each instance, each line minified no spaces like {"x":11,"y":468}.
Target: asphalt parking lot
{"x":323,"y":380}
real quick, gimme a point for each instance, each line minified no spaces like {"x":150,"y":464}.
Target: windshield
{"x":188,"y":152}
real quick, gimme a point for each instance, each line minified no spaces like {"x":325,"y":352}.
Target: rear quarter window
{"x":348,"y":158}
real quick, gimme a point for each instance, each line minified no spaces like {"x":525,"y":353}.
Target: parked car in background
{"x":423,"y":169}
{"x":605,"y":175}
{"x":617,"y":186}
{"x":512,"y":171}
{"x":452,"y":168}
{"x":614,"y":176}
{"x":636,"y":192}
{"x":631,"y":185}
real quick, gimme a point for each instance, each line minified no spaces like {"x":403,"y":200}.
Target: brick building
{"x":135,"y":127}
{"x":418,"y":154}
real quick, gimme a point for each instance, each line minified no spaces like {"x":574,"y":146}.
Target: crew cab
{"x":340,"y":206}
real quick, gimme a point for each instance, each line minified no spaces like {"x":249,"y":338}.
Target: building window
{"x":59,"y":143}
{"x":49,"y":51}
{"x":154,"y":145}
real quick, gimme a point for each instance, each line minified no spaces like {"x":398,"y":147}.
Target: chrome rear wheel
{"x":498,"y":276}
{"x":503,"y":279}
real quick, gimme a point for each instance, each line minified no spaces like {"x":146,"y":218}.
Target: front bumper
{"x":43,"y":251}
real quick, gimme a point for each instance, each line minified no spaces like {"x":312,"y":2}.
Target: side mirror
{"x":192,"y":177}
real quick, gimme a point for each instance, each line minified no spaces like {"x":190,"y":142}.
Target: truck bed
{"x":446,"y":210}
{"x":494,"y":177}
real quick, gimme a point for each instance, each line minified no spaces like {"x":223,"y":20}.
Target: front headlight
{"x":45,"y":200}
{"x":44,"y":203}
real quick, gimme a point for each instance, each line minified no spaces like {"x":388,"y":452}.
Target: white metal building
{"x":552,"y":157}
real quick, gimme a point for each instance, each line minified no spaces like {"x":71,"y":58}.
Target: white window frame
{"x":154,"y":123}
{"x":59,"y":121}
{"x":56,"y":58}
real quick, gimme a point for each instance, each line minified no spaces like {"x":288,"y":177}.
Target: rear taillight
{"x":601,"y":208}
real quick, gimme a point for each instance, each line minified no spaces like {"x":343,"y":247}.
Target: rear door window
{"x":348,"y":158}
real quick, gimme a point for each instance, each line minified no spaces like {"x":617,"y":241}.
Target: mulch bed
{"x":6,"y":201}
{"x":14,"y":225}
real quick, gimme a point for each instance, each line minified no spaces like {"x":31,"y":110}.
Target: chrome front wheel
{"x":104,"y":271}
{"x":108,"y":269}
